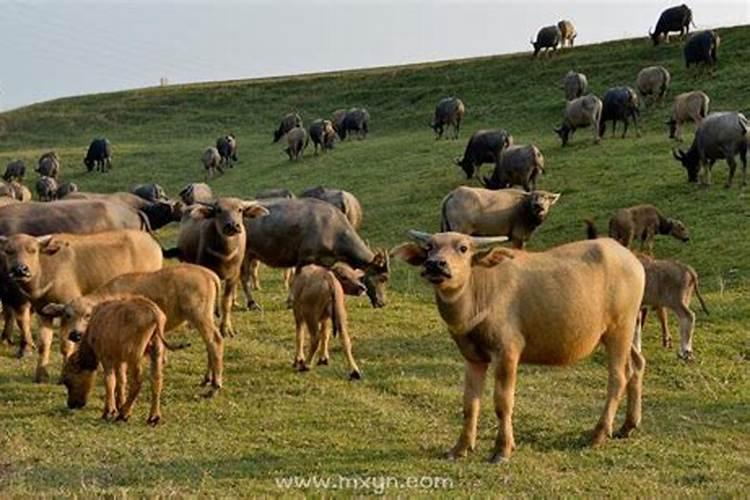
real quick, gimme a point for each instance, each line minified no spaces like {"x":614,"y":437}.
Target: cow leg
{"x":625,"y":131}
{"x":255,"y":274}
{"x":505,"y":386}
{"x":8,"y":320}
{"x":299,"y":342}
{"x":247,"y":281}
{"x":346,"y":344}
{"x":636,"y":369}
{"x":666,"y":337}
{"x":732,"y":168}
{"x":45,"y":345}
{"x":214,"y":350}
{"x":686,"y":319}
{"x":614,"y":127}
{"x":23,"y":321}
{"x":122,"y":384}
{"x":743,"y":159}
{"x":110,"y":384}
{"x":311,"y":325}
{"x":635,"y":124}
{"x":325,"y":337}
{"x":618,"y":344}
{"x":157,"y":381}
{"x":225,"y":327}
{"x":134,"y":387}
{"x":473,"y":384}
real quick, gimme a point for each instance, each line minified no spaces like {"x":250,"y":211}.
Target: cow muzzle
{"x":20,"y":272}
{"x":232,"y":228}
{"x":436,"y":271}
{"x":75,"y":404}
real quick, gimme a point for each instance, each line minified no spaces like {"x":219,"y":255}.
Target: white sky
{"x":58,"y":48}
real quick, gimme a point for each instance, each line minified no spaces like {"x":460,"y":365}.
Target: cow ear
{"x":492,"y":256}
{"x":50,"y":245}
{"x":351,"y":280}
{"x":252,"y":209}
{"x":553,"y":197}
{"x":202,"y":211}
{"x":53,"y":310}
{"x":411,"y":253}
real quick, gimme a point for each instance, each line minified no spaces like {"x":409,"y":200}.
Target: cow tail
{"x":591,"y":232}
{"x":161,"y":321}
{"x":337,"y":300}
{"x":445,"y":226}
{"x":694,"y":276}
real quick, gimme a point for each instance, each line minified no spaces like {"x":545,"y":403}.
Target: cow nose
{"x":435,"y":265}
{"x":20,"y":271}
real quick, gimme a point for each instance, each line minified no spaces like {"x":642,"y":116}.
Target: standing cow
{"x":15,"y":171}
{"x":343,"y":200}
{"x":547,"y":38}
{"x":212,"y":162}
{"x":687,"y":106}
{"x":653,"y":82}
{"x":701,"y":48}
{"x":356,"y":122}
{"x":676,"y":18}
{"x":575,"y":85}
{"x":567,"y":33}
{"x":227,"y":149}
{"x":619,"y":104}
{"x":46,"y":188}
{"x":288,"y":122}
{"x":581,"y":112}
{"x":49,"y":165}
{"x":297,"y":140}
{"x":517,"y":166}
{"x":449,"y":112}
{"x":151,"y":192}
{"x":322,"y":134}
{"x":99,"y":155}
{"x":484,"y":146}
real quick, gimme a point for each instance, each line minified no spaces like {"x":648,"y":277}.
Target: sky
{"x":57,"y":48}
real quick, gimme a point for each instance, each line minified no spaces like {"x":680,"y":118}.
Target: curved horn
{"x":43,"y":240}
{"x":678,"y":154}
{"x":481,"y":242}
{"x":649,"y":32}
{"x":419,"y":236}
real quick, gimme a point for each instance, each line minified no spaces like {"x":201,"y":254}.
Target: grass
{"x":272,"y":423}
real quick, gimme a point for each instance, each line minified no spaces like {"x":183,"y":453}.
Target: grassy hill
{"x":272,"y":423}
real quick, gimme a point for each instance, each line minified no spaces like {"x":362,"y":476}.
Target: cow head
{"x":537,"y":47}
{"x":677,"y":229}
{"x":22,"y":253}
{"x":466,"y":165}
{"x":350,"y":279}
{"x":160,"y":213}
{"x":447,"y":258}
{"x":227,"y":214}
{"x":79,"y":373}
{"x":74,"y":316}
{"x":654,"y":37}
{"x":690,"y":161}
{"x":563,"y":131}
{"x":89,"y":163}
{"x":375,"y":278}
{"x":540,"y":202}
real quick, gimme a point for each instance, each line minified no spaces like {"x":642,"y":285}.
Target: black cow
{"x":227,"y":148}
{"x":701,"y":48}
{"x":673,"y":19}
{"x":484,"y":146}
{"x":356,"y":121}
{"x":619,"y":104}
{"x":99,"y":155}
{"x":548,"y":37}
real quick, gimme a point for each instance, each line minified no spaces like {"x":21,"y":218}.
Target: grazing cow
{"x":46,"y":188}
{"x":227,"y":149}
{"x":507,"y":212}
{"x":449,"y":112}
{"x":670,"y":285}
{"x":507,"y":307}
{"x":121,"y":332}
{"x":197,"y":192}
{"x":567,"y":33}
{"x":322,"y":134}
{"x":343,"y":200}
{"x":310,"y":231}
{"x":212,"y":162}
{"x":58,"y":268}
{"x":185,"y":292}
{"x":15,"y":171}
{"x":49,"y":165}
{"x":641,"y":222}
{"x":517,"y":166}
{"x":575,"y":85}
{"x":676,"y":18}
{"x":653,"y":82}
{"x":701,"y":48}
{"x":581,"y":112}
{"x":548,"y":37}
{"x":99,"y":155}
{"x":356,"y":122}
{"x":290,"y":121}
{"x":296,"y":140}
{"x":619,"y":104}
{"x":484,"y":146}
{"x":150,"y":192}
{"x":687,"y":106}
{"x":158,"y":213}
{"x":213,"y":235}
{"x":65,"y":189}
{"x":318,"y":295}
{"x":719,"y":136}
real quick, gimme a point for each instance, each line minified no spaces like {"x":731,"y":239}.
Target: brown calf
{"x":644,"y":222}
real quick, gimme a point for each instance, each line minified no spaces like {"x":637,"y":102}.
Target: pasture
{"x":271,"y":423}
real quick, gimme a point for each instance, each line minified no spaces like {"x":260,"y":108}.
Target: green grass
{"x":271,"y":422}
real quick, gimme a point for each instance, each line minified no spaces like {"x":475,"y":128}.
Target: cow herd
{"x":90,"y":260}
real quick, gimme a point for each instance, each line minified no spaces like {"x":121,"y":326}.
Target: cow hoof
{"x":253,"y":306}
{"x":600,"y":437}
{"x":625,"y":431}
{"x":42,"y":376}
{"x":498,"y":458}
{"x":122,"y":417}
{"x":302,"y":367}
{"x":154,"y":420}
{"x":6,"y":341}
{"x":24,"y":350}
{"x":323,"y":361}
{"x":686,"y":356}
{"x":209,"y":394}
{"x":355,"y":375}
{"x":456,"y":453}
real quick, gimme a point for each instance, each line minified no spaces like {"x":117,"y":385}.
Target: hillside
{"x":271,"y":422}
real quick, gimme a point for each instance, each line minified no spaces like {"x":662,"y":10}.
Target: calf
{"x":46,"y":188}
{"x":322,"y":134}
{"x":642,"y":222}
{"x":212,"y":162}
{"x":517,"y":166}
{"x":507,"y":212}
{"x":15,"y":171}
{"x":297,"y":140}
{"x":575,"y":85}
{"x":484,"y":146}
{"x":581,"y":112}
{"x":121,"y":332}
{"x":290,"y":121}
{"x":567,"y":33}
{"x":687,"y":106}
{"x":449,"y":112}
{"x":318,"y":295}
{"x":197,"y":192}
{"x":99,"y":155}
{"x":548,"y":37}
{"x":619,"y":104}
{"x":49,"y":165}
{"x":653,"y":82}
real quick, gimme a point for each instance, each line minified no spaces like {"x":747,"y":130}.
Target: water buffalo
{"x":46,"y":188}
{"x":719,"y":136}
{"x":567,"y":33}
{"x":619,"y":104}
{"x":49,"y":165}
{"x":653,"y":82}
{"x":337,"y":120}
{"x":517,"y":166}
{"x":449,"y":112}
{"x":701,"y":48}
{"x":322,"y":134}
{"x":548,"y":37}
{"x":226,"y":146}
{"x":15,"y":171}
{"x":355,"y":122}
{"x":484,"y":146}
{"x":288,"y":122}
{"x":65,"y":189}
{"x":212,"y":162}
{"x":575,"y":85}
{"x":581,"y":112}
{"x":297,"y":140}
{"x":641,"y":222}
{"x":150,"y":192}
{"x":99,"y":155}
{"x":676,"y":18}
{"x":687,"y":106}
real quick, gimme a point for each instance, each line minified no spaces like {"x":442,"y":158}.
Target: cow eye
{"x":463,"y":249}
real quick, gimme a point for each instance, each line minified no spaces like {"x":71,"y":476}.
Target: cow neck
{"x":223,"y":244}
{"x":36,"y":291}
{"x":462,"y":309}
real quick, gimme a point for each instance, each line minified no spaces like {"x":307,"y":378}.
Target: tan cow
{"x":318,"y":295}
{"x":185,"y":292}
{"x":644,"y":222}
{"x":653,"y":82}
{"x":670,"y":285}
{"x":506,"y":307}
{"x":60,"y":267}
{"x":687,"y":106}
{"x":212,"y":162}
{"x":213,"y":236}
{"x":567,"y":32}
{"x":121,"y":332}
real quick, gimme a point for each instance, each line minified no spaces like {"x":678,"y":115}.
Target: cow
{"x":150,"y":192}
{"x":644,"y":223}
{"x":15,"y":171}
{"x":567,"y":33}
{"x":508,"y":212}
{"x":701,"y":48}
{"x":517,"y":166}
{"x":581,"y":112}
{"x":318,"y":296}
{"x":687,"y":106}
{"x":449,"y":112}
{"x":49,"y":165}
{"x":212,"y":162}
{"x":99,"y":155}
{"x":288,"y":122}
{"x":121,"y":332}
{"x":653,"y":82}
{"x":46,"y":188}
{"x":297,"y":140}
{"x":355,"y":122}
{"x":506,"y":307}
{"x":158,"y":213}
{"x":185,"y":292}
{"x":676,"y":18}
{"x":14,"y":189}
{"x":213,"y":235}
{"x":719,"y":136}
{"x":60,"y":267}
{"x":484,"y":146}
{"x":343,"y":200}
{"x":619,"y":104}
{"x":310,"y":231}
{"x":575,"y":85}
{"x":227,"y":149}
{"x":549,"y":37}
{"x":322,"y":134}
{"x":65,"y":189}
{"x":195,"y":193}
{"x":337,"y":120}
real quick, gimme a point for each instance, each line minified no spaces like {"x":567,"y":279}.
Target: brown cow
{"x":644,"y":222}
{"x":213,"y":236}
{"x":60,"y":267}
{"x":121,"y":332}
{"x":687,"y":106}
{"x":318,"y":295}
{"x":185,"y":292}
